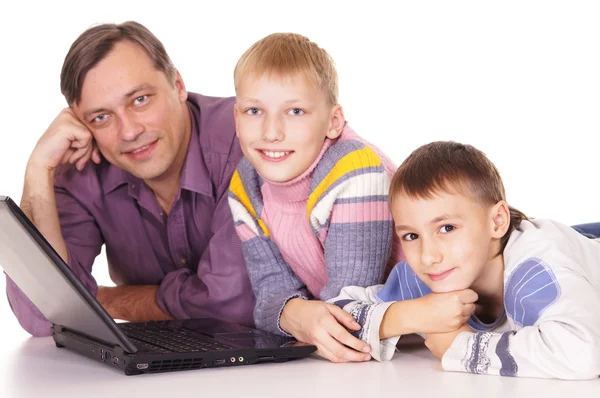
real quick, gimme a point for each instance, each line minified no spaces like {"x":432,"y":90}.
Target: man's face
{"x":137,"y":117}
{"x":448,"y":239}
{"x":282,"y":123}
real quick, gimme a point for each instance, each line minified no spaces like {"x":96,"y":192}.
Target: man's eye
{"x":100,"y":118}
{"x":253,"y":111}
{"x":410,"y":236}
{"x":296,"y":112}
{"x":141,"y":99}
{"x":446,"y":228}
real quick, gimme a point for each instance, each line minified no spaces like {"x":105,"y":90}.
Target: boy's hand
{"x":438,"y":343}
{"x":445,"y":312}
{"x":324,"y":325}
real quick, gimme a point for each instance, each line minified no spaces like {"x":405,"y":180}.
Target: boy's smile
{"x":274,"y":156}
{"x":440,"y":276}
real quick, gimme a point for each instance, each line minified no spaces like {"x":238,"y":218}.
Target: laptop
{"x":82,"y":325}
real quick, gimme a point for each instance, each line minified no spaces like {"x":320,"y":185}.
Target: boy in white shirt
{"x":537,"y":281}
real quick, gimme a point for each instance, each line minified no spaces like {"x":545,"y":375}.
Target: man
{"x":138,"y":164}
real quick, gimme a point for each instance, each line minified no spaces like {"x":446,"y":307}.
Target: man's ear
{"x":337,"y":122}
{"x":500,"y":219}
{"x":180,"y":86}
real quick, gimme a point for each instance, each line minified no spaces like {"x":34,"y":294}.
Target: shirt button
{"x":183,"y":260}
{"x":133,"y":186}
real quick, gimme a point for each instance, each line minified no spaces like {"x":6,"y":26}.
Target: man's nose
{"x":131,"y":128}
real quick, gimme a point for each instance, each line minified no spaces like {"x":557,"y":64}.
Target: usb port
{"x":220,"y":361}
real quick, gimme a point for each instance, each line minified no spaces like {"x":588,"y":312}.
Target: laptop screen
{"x":48,"y":282}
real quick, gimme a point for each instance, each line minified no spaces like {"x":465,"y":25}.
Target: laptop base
{"x":156,"y":362}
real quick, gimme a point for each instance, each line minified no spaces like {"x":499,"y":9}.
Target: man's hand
{"x":324,"y":325}
{"x":131,"y":303}
{"x":438,"y":343}
{"x":66,"y":140}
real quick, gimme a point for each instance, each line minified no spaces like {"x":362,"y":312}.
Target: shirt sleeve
{"x":362,"y":303}
{"x":84,"y":242}
{"x":557,"y":334}
{"x":349,"y":212}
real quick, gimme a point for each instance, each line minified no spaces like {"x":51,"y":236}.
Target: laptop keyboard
{"x":162,"y":338}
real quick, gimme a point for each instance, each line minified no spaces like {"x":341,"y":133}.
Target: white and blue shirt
{"x":550,"y":326}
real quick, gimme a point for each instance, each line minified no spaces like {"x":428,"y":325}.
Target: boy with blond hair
{"x":309,"y":199}
{"x":537,"y":281}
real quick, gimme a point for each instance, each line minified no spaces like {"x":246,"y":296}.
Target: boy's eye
{"x":253,"y":111}
{"x":446,"y":228}
{"x":296,"y":112}
{"x":410,"y":236}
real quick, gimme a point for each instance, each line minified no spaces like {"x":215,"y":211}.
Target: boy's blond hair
{"x":288,"y":54}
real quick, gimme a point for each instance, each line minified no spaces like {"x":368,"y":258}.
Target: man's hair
{"x":289,"y":54}
{"x":93,"y":45}
{"x":447,"y":166}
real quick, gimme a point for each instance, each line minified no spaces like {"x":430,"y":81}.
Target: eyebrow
{"x":434,"y":221}
{"x":128,"y":94}
{"x":257,"y":101}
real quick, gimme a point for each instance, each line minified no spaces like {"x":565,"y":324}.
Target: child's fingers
{"x":340,"y":334}
{"x":343,"y":317}
{"x":467,"y":296}
{"x":336,"y":351}
{"x":468,"y":309}
{"x":343,"y":338}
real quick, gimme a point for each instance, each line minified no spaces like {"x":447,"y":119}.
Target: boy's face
{"x":282,"y":123}
{"x":449,"y":240}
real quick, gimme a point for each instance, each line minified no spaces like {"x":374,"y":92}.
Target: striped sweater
{"x":327,"y":228}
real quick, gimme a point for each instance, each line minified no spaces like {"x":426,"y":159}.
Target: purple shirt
{"x":194,"y":254}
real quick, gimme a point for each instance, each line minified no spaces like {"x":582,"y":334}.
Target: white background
{"x":518,"y":79}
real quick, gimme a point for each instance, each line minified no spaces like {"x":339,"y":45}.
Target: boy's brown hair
{"x":289,"y":54}
{"x":447,"y":166}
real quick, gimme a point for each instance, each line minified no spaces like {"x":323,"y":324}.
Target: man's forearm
{"x":132,"y":303}
{"x":39,"y":205}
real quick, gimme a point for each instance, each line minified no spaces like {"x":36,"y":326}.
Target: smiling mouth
{"x":140,"y":149}
{"x":274,"y":156}
{"x":441,"y":275}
